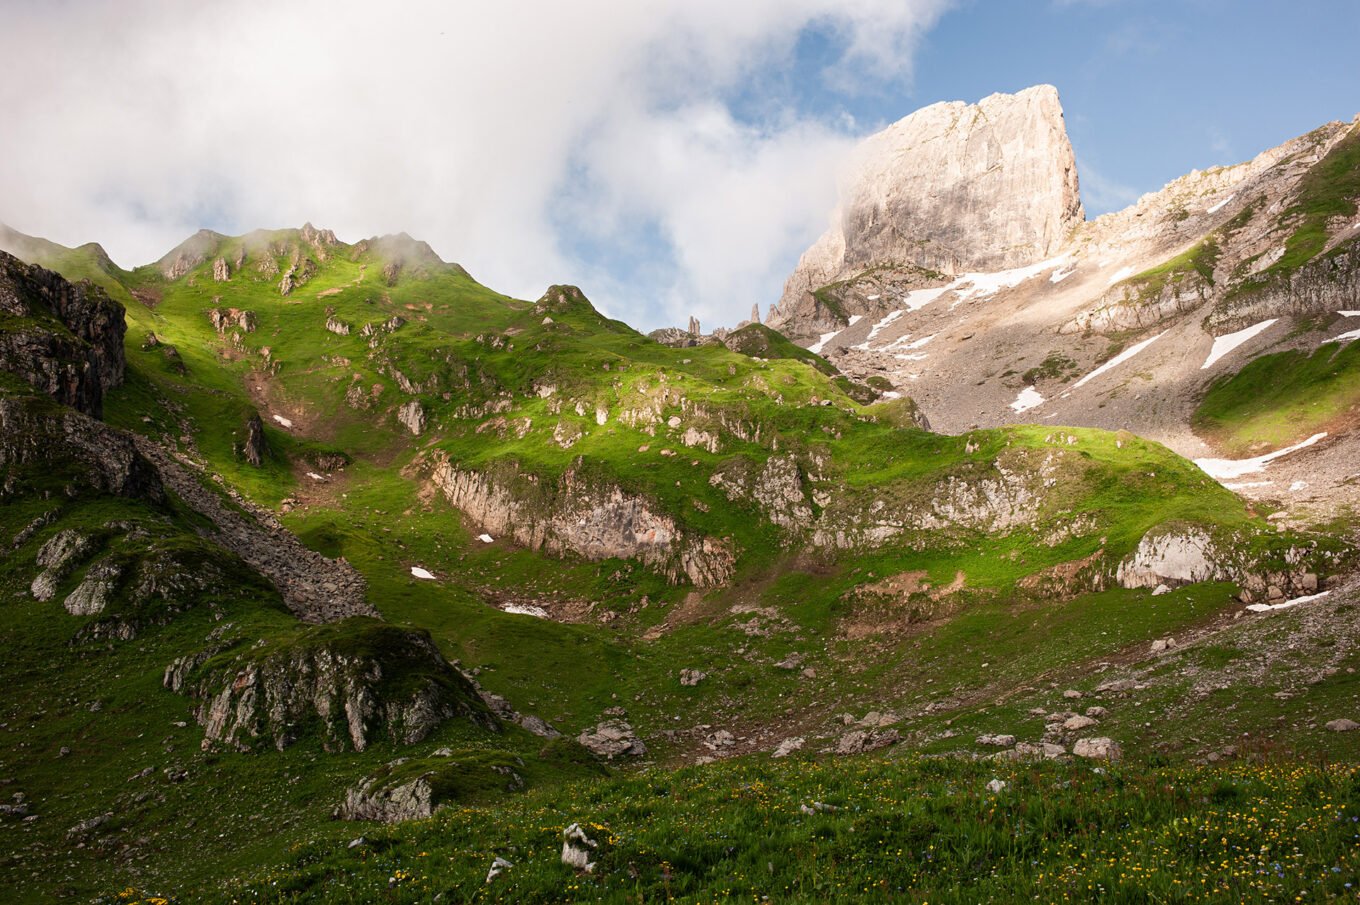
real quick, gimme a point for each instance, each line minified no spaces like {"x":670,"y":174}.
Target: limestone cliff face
{"x":575,"y":515}
{"x":952,"y":188}
{"x":62,"y":338}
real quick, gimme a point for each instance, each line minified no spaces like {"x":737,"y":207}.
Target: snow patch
{"x":282,"y":420}
{"x":1354,"y":334}
{"x":522,"y":609}
{"x":1349,"y":313}
{"x":1122,"y":273}
{"x":1219,"y":469}
{"x":1297,"y":486}
{"x":1117,"y":360}
{"x":1059,"y":275}
{"x":919,"y":298}
{"x":1267,"y":607}
{"x":855,"y":319}
{"x":983,"y":285}
{"x":816,"y":347}
{"x":1029,"y":398}
{"x":1222,"y":204}
{"x":418,"y":572}
{"x":316,"y":477}
{"x":1225,"y":344}
{"x":1246,"y":484}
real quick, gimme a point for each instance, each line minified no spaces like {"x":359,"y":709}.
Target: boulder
{"x":612,"y":738}
{"x":1098,"y":748}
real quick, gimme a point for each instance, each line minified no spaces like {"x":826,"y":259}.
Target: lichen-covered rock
{"x":350,"y":683}
{"x":57,"y":558}
{"x":372,"y":800}
{"x":93,"y":593}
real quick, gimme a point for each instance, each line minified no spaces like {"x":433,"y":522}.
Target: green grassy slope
{"x":1283,"y":398}
{"x":996,"y":619}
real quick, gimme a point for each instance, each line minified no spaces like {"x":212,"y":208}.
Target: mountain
{"x":951,"y":188}
{"x":303,"y":536}
{"x":1188,"y":318}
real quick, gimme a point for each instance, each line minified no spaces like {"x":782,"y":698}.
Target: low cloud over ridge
{"x":532,"y":142}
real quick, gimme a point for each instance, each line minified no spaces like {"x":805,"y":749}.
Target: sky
{"x":671,"y":157}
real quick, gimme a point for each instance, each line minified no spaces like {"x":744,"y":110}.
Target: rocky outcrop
{"x":40,"y":440}
{"x":62,"y":553}
{"x":412,"y":417}
{"x":612,"y":738}
{"x":224,"y":319}
{"x":581,"y":514}
{"x":221,"y":272}
{"x":373,"y":799}
{"x":415,"y":789}
{"x":337,"y":326}
{"x":189,"y":254}
{"x":255,"y":448}
{"x":1173,"y":555}
{"x":352,"y":684}
{"x":953,"y":188}
{"x":65,"y":339}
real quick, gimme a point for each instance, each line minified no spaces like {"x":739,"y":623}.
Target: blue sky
{"x":672,"y":158}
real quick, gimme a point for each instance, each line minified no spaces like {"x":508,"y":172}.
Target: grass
{"x":502,"y":381}
{"x":1199,"y":260}
{"x":1282,"y":398}
{"x":917,"y":830}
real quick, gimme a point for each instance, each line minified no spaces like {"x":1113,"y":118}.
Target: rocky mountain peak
{"x":952,"y":188}
{"x":190,"y":253}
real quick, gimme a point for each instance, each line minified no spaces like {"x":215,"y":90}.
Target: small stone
{"x":996,"y":741}
{"x":1343,"y":725}
{"x":788,"y":746}
{"x":1097,"y":713}
{"x":576,"y":848}
{"x":1072,"y":694}
{"x":498,"y":867}
{"x":691,"y":677}
{"x":996,"y":786}
{"x":1077,"y":723}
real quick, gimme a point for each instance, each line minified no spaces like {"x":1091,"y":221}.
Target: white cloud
{"x":473,"y":127}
